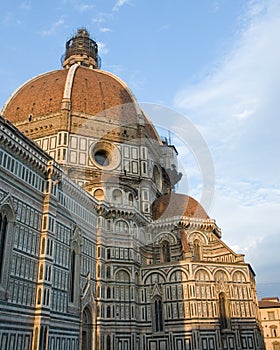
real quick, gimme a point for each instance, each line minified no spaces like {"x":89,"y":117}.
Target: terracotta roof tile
{"x":174,"y":204}
{"x":39,"y":96}
{"x":93,"y":92}
{"x":269,"y":302}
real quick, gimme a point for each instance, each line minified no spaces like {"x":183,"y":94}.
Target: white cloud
{"x":105,"y":30}
{"x":84,"y":7}
{"x":102,"y":17}
{"x":119,"y":4}
{"x":102,"y":48}
{"x":53,"y":27}
{"x":10,"y":19}
{"x":235,"y":106}
{"x":25,"y":5}
{"x":164,"y":28}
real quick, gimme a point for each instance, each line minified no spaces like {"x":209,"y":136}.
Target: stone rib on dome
{"x":174,"y":205}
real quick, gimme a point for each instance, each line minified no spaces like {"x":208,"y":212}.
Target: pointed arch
{"x":157,"y":307}
{"x":108,"y":342}
{"x":7,"y":220}
{"x":3,"y":237}
{"x":74,"y":267}
{"x":201,"y":236}
{"x":121,"y":226}
{"x":223,"y":311}
{"x":72,"y":279}
{"x":197,"y":250}
{"x":165,"y":251}
{"x":87,"y":328}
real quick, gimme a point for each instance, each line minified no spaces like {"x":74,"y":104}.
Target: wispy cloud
{"x":164,"y":28}
{"x":102,"y":48}
{"x":53,"y":28}
{"x":25,"y":5}
{"x":84,"y":7}
{"x":102,"y":17}
{"x":119,"y":4}
{"x":10,"y":19}
{"x":105,"y":30}
{"x":235,"y":105}
{"x":215,"y":6}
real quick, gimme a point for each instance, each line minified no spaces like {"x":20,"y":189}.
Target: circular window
{"x":99,"y":194}
{"x":102,"y":157}
{"x":105,"y":155}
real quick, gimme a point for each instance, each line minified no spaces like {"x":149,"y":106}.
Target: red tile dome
{"x":81,"y":88}
{"x":174,"y":205}
{"x":91,"y":92}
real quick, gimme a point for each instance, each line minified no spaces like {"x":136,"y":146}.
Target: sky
{"x":207,"y":66}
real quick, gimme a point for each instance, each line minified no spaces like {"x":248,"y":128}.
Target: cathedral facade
{"x":97,"y":251}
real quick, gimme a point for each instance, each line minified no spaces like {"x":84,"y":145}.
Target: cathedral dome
{"x":81,"y":88}
{"x":90,"y":91}
{"x":174,"y":205}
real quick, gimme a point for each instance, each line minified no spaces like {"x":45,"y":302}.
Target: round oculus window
{"x":102,"y":157}
{"x":105,"y":155}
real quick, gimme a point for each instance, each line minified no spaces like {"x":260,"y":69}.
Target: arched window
{"x":117,"y":196}
{"x":239,"y":277}
{"x":3,"y":235}
{"x":165,"y":251}
{"x":108,"y":272}
{"x":224,"y":320}
{"x":197,"y":254}
{"x":276,"y":345}
{"x":43,"y":337}
{"x":41,"y":272}
{"x":108,"y":312}
{"x":43,"y":245}
{"x":98,"y":271}
{"x":122,"y":294}
{"x":87,"y":331}
{"x":121,"y":227}
{"x":7,"y":218}
{"x":158,"y":315}
{"x":108,"y":293}
{"x":36,"y":338}
{"x":130,"y":199}
{"x":108,"y":342}
{"x":39,"y":300}
{"x":72,"y":276}
{"x":108,"y":253}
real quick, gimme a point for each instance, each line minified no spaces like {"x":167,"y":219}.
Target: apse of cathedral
{"x":97,"y":250}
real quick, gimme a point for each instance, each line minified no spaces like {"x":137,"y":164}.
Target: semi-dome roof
{"x":174,"y":205}
{"x":81,"y":87}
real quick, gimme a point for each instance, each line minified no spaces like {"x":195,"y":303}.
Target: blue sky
{"x":215,"y":62}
